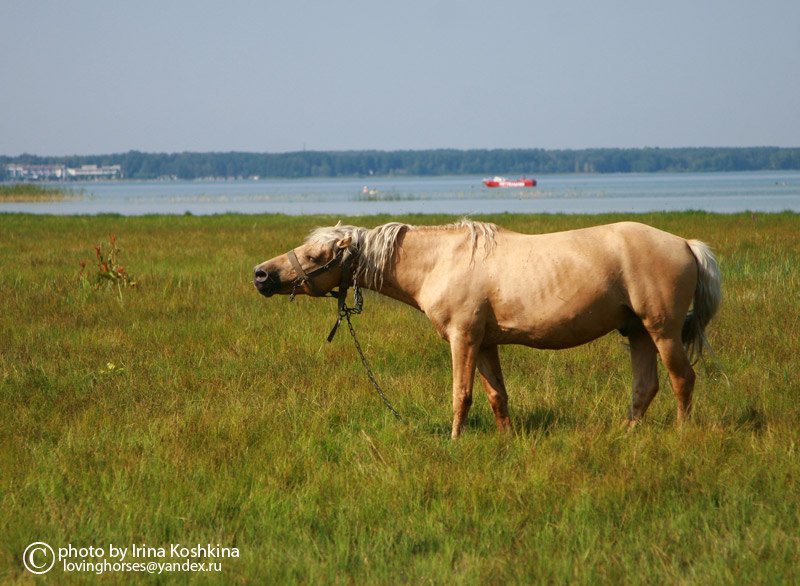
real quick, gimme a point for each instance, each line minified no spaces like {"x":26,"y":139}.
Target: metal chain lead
{"x":344,"y":312}
{"x":369,"y":371}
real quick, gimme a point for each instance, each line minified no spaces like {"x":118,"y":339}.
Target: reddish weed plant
{"x":110,"y":273}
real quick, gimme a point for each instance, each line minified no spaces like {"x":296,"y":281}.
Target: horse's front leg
{"x":464,"y":352}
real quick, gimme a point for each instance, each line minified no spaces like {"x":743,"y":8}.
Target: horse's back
{"x":566,"y":288}
{"x":619,"y":247}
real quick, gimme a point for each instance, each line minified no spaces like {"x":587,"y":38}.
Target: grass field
{"x":190,"y":410}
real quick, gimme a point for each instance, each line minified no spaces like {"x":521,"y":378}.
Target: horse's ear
{"x":338,"y":224}
{"x":344,"y":242}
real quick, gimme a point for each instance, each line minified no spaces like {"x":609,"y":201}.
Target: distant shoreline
{"x":136,"y":165}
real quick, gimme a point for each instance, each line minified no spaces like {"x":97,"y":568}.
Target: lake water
{"x":584,"y":194}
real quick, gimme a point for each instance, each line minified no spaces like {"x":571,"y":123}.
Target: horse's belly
{"x":565,"y":336}
{"x":555,"y":328}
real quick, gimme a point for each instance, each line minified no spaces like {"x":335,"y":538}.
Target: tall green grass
{"x":192,"y":410}
{"x":31,"y":192}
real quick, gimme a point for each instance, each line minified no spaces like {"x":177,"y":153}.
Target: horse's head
{"x":313,"y":268}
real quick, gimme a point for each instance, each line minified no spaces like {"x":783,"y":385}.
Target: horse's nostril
{"x":261,"y":276}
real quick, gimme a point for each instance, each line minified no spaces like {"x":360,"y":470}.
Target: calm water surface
{"x":586,"y":194}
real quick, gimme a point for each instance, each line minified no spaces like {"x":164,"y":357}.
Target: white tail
{"x":707,"y":298}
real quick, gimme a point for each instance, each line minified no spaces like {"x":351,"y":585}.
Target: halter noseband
{"x":308,"y":278}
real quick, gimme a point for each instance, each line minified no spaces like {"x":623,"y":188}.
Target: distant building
{"x":18,"y":172}
{"x":36,"y":172}
{"x":96,"y":172}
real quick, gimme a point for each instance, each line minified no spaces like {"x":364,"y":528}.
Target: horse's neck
{"x":416,"y":256}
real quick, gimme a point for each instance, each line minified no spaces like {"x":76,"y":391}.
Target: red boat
{"x":503,"y":182}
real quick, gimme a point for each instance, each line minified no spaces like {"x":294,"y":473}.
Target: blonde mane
{"x":374,"y":249}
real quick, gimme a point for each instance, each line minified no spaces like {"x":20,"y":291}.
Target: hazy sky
{"x":84,"y":77}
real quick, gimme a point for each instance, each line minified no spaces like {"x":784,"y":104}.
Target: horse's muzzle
{"x":267,"y":283}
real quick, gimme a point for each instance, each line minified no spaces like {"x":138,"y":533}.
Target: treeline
{"x":189,"y":165}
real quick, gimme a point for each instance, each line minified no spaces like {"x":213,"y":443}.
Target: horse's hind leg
{"x":492,"y":377}
{"x":681,"y":373}
{"x":644,"y":361}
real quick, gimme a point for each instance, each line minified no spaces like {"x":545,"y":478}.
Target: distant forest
{"x":189,"y":165}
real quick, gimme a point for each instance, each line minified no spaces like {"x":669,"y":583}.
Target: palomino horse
{"x":482,"y":286}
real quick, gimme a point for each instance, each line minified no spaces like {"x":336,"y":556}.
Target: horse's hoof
{"x":630,"y":424}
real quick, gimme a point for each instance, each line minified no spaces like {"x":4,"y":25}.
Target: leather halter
{"x":308,"y":278}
